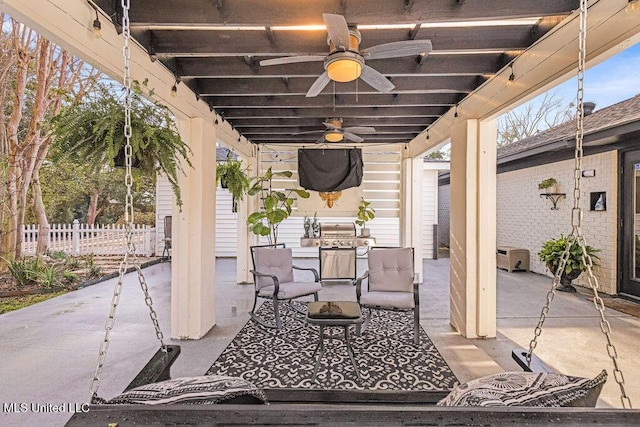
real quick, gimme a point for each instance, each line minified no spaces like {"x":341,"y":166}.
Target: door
{"x":630,"y":229}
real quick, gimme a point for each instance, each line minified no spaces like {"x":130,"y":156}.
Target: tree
{"x":36,"y":78}
{"x":533,"y":117}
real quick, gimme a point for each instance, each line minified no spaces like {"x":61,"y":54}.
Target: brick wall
{"x":525,"y":220}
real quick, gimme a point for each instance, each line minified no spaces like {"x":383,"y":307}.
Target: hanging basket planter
{"x":119,"y":160}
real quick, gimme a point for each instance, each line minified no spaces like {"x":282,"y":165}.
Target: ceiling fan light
{"x":333,"y":136}
{"x":344,"y":70}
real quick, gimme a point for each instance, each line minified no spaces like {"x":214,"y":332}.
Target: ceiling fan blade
{"x":291,"y":60}
{"x":376,"y":80}
{"x":338,"y":30}
{"x":320,"y":140}
{"x":308,"y":132}
{"x":318,"y":85}
{"x":330,"y":125}
{"x":352,"y":136}
{"x":397,"y":49}
{"x":361,"y":129}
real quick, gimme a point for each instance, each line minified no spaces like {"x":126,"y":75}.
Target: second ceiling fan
{"x":345,"y":62}
{"x":334,"y":132}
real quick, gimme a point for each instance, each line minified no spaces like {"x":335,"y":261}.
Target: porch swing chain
{"x":576,"y":224}
{"x":131,"y":249}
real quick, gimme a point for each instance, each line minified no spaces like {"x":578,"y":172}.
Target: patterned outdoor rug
{"x":385,"y":355}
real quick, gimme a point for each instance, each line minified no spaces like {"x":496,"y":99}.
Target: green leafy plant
{"x":553,"y":249}
{"x":72,"y":263}
{"x":69,"y":277}
{"x":365,"y":212}
{"x":18,"y":269}
{"x":93,"y":131}
{"x":233,"y":177}
{"x":94,"y":271}
{"x":48,"y":276}
{"x":276,"y":205}
{"x":546,"y":183}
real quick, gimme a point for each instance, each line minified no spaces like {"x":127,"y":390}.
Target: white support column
{"x":411,"y":211}
{"x":193,"y":237}
{"x":473,"y":228}
{"x":245,"y":237}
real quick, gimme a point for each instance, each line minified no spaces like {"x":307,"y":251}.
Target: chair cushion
{"x":527,"y":389}
{"x":203,"y":390}
{"x":399,"y":300}
{"x":334,"y":310}
{"x":391,"y":270}
{"x":276,"y":261}
{"x":291,"y":289}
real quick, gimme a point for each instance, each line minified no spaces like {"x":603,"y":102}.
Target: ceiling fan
{"x":334,"y":132}
{"x":345,"y":62}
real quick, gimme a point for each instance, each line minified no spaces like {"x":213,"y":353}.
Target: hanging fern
{"x":93,"y":131}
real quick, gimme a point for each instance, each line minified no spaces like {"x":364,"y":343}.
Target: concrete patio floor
{"x":49,"y":350}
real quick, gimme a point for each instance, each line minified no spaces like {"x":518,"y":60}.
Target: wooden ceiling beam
{"x":231,"y":113}
{"x":328,"y":101}
{"x":316,"y":122}
{"x":290,"y":12}
{"x":300,"y":86}
{"x":290,"y":43}
{"x":433,"y":65}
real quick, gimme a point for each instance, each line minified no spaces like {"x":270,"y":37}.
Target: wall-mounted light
{"x":427,"y":133}
{"x":633,"y":6}
{"x":512,"y":77}
{"x":589,"y":173}
{"x":455,"y":113}
{"x":174,"y":88}
{"x":96,"y":25}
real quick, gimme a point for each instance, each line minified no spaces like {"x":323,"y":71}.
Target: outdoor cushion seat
{"x":291,"y":290}
{"x":391,"y":285}
{"x":388,"y":300}
{"x":274,"y":279}
{"x":541,"y":389}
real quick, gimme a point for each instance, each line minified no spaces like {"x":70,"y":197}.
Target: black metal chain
{"x":576,"y":236}
{"x":128,"y":214}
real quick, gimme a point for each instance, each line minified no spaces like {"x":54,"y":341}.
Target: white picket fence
{"x":83,"y":239}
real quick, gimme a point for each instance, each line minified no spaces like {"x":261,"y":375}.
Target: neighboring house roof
{"x":614,"y":116}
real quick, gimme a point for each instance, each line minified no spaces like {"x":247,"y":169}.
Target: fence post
{"x":76,"y":237}
{"x":147,"y":240}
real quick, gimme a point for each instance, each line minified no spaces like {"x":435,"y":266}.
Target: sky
{"x":608,"y":82}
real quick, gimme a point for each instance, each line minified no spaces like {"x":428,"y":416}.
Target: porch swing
{"x":153,"y":385}
{"x":297,"y":411}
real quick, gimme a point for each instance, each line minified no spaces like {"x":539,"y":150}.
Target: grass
{"x":15,"y":303}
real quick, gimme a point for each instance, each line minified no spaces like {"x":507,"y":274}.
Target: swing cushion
{"x":527,"y":389}
{"x":203,"y":390}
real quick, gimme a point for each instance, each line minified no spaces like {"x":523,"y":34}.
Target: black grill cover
{"x":329,"y":169}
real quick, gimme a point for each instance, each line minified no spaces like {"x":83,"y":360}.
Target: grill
{"x":338,"y":235}
{"x":337,"y":249}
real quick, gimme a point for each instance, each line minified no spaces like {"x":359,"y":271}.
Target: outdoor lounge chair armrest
{"x":359,"y":284}
{"x":276,"y":282}
{"x":313,"y":270}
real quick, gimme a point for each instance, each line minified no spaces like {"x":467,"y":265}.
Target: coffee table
{"x":334,"y":313}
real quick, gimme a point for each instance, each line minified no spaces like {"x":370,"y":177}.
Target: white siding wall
{"x":164,"y":207}
{"x":381,"y":186}
{"x":444,"y":206}
{"x":226,"y":224}
{"x":525,"y":220}
{"x":429,"y":210}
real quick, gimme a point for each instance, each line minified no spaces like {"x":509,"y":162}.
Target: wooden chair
{"x":273,"y":278}
{"x":392,"y":285}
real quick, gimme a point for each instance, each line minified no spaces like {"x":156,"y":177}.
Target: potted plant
{"x":551,"y":254}
{"x":233,"y":177}
{"x":276,"y":204}
{"x":550,"y":185}
{"x":365,"y":213}
{"x":93,"y":131}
